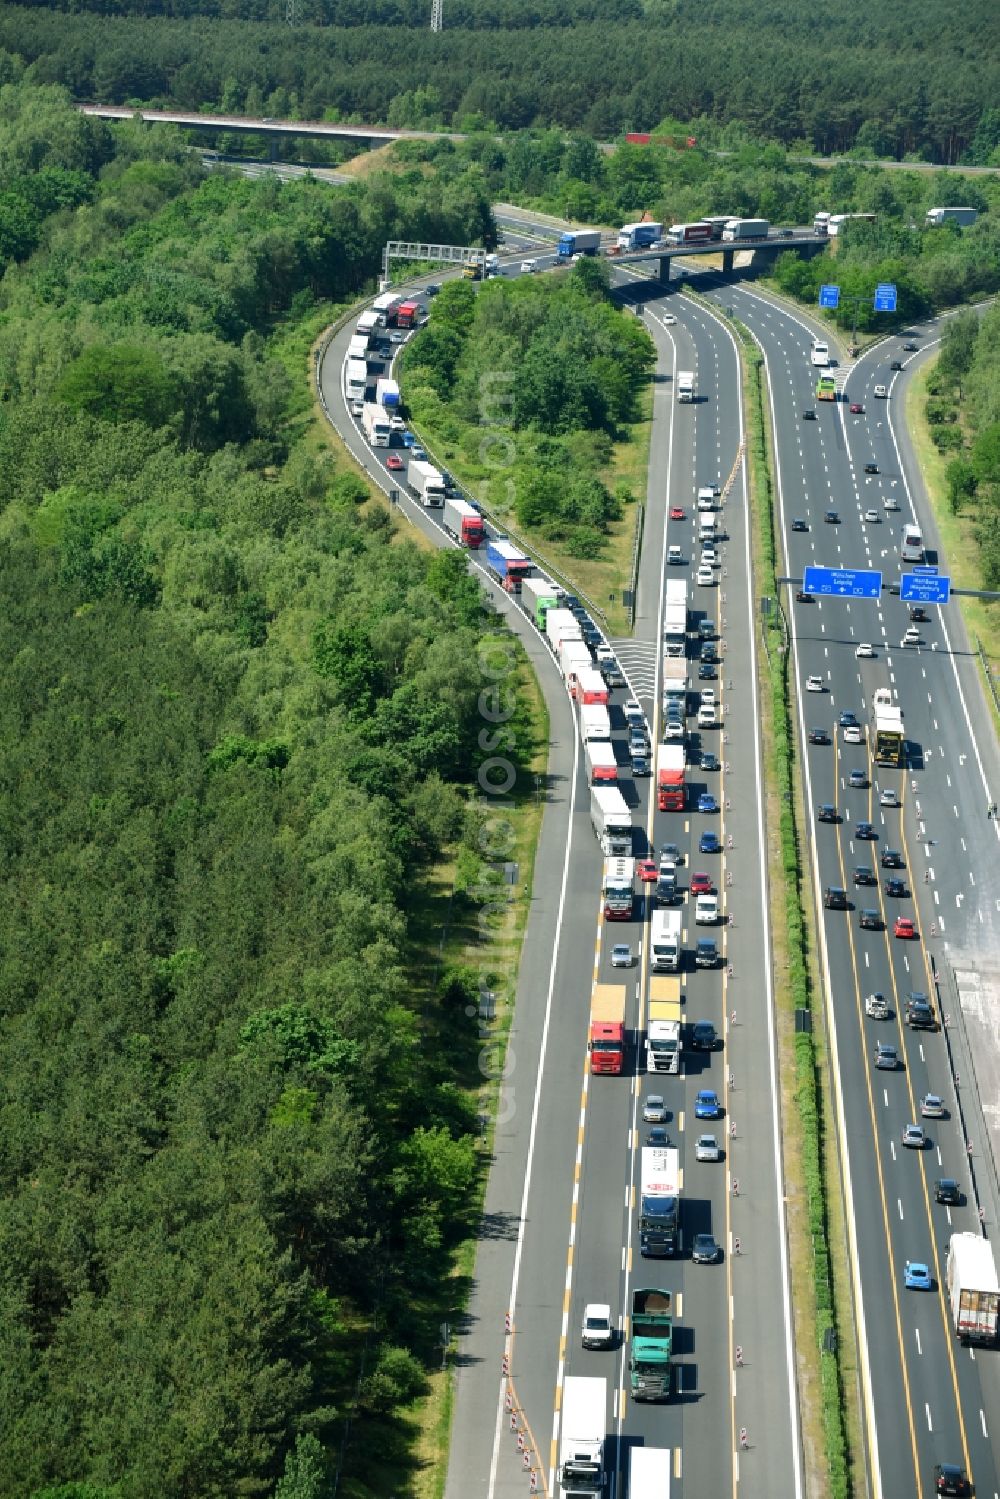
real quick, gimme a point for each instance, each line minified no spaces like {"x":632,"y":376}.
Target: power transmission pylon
{"x":437,"y":14}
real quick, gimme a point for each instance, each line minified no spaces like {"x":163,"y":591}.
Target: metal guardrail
{"x":987,"y":672}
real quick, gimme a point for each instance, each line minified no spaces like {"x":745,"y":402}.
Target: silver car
{"x":654,"y":1110}
{"x":707,"y":1149}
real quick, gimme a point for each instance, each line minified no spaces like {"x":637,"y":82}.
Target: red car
{"x":677,"y":513}
{"x":394,"y":461}
{"x":701,"y":884}
{"x":857,"y":409}
{"x":648,"y":872}
{"x":904,"y":928}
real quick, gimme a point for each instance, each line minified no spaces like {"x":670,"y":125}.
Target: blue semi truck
{"x":579,"y":242}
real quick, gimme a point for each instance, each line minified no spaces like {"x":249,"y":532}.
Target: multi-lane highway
{"x":565,"y":1185}
{"x":926,"y":1399}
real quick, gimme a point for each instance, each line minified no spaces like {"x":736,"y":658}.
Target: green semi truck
{"x":651,"y":1339}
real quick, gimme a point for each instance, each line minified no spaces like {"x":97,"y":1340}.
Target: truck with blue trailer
{"x":639,"y":236}
{"x":578,"y":242}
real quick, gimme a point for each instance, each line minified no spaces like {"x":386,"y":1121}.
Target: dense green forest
{"x":897,"y":79}
{"x":552,"y":370}
{"x":238,"y":718}
{"x":963,"y":414}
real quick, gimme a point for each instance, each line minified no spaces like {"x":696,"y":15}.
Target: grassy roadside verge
{"x":449,"y":938}
{"x":957,"y":533}
{"x":816,"y":1240}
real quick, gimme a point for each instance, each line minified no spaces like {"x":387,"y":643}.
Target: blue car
{"x":707,"y":802}
{"x":408,"y":440}
{"x":706,"y":1105}
{"x":708,"y":843}
{"x":917,"y":1277}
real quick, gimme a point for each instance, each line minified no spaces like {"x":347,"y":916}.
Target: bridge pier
{"x":664,"y":271}
{"x":727,"y":261}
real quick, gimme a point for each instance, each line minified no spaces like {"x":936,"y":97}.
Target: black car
{"x":707,"y":672}
{"x":809,"y":415}
{"x":892,"y":859}
{"x":918,"y":1012}
{"x":865,"y":830}
{"x":432,"y":290}
{"x":864,"y":876}
{"x":708,"y":652}
{"x":706,"y":629}
{"x":658,"y":1136}
{"x":818,"y":736}
{"x":835,"y":898}
{"x":848,"y":720}
{"x":871,"y":468}
{"x":949,"y":1478}
{"x":709,"y":761}
{"x":895,"y":889}
{"x":827,"y":812}
{"x":803,"y":598}
{"x":641,"y":765}
{"x":704,"y":1250}
{"x":909,"y":348}
{"x":870,"y":920}
{"x":799,"y":525}
{"x":896,"y":365}
{"x":947,"y":1190}
{"x":918,"y":615}
{"x":703,"y":1037}
{"x":831,"y":517}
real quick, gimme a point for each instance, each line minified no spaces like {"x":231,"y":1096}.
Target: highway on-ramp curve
{"x":927,"y":1400}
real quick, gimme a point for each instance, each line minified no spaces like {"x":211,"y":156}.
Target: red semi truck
{"x":670,"y":777}
{"x":607,"y":1029}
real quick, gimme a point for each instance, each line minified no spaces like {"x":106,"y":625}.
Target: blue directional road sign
{"x":925,"y":587}
{"x":829,"y":296}
{"x":885,"y":297}
{"x":842,"y":582}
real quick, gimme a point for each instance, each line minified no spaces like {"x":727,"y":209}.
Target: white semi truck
{"x":973,"y":1289}
{"x":582,"y":1430}
{"x":612,"y":821}
{"x":375,"y":424}
{"x":425,"y":483}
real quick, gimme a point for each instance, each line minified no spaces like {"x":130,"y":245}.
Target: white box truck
{"x":685,"y":385}
{"x":560,"y":625}
{"x":675,"y":613}
{"x":738,"y":229}
{"x":375,"y":424}
{"x":612,"y":821}
{"x":649,"y":1473}
{"x":659,"y":1201}
{"x":582,"y":1429}
{"x":594,"y":722}
{"x":387,"y":393}
{"x":665,"y":941}
{"x":358,"y":347}
{"x":425,"y":483}
{"x":962,"y":216}
{"x":973,"y":1290}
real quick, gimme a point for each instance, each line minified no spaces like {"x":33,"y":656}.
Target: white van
{"x":706,"y":911}
{"x":706,"y":499}
{"x":706,"y":528}
{"x":820,"y":355}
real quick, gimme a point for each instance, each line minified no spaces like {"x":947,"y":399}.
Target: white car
{"x":912,"y":636}
{"x":888,"y":799}
{"x":675,"y":556}
{"x":396,"y":424}
{"x":357,"y":408}
{"x":814,"y":684}
{"x":890,"y":503}
{"x":633,"y":713}
{"x":621,"y":955}
{"x":707,"y":696}
{"x":872,"y":517}
{"x":597,"y":1329}
{"x":881,"y":392}
{"x":865,"y":651}
{"x":705,"y":577}
{"x":709,"y":557}
{"x":673,"y":729}
{"x":852,"y":734}
{"x":527,"y":266}
{"x":707,"y":1149}
{"x":669,"y":319}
